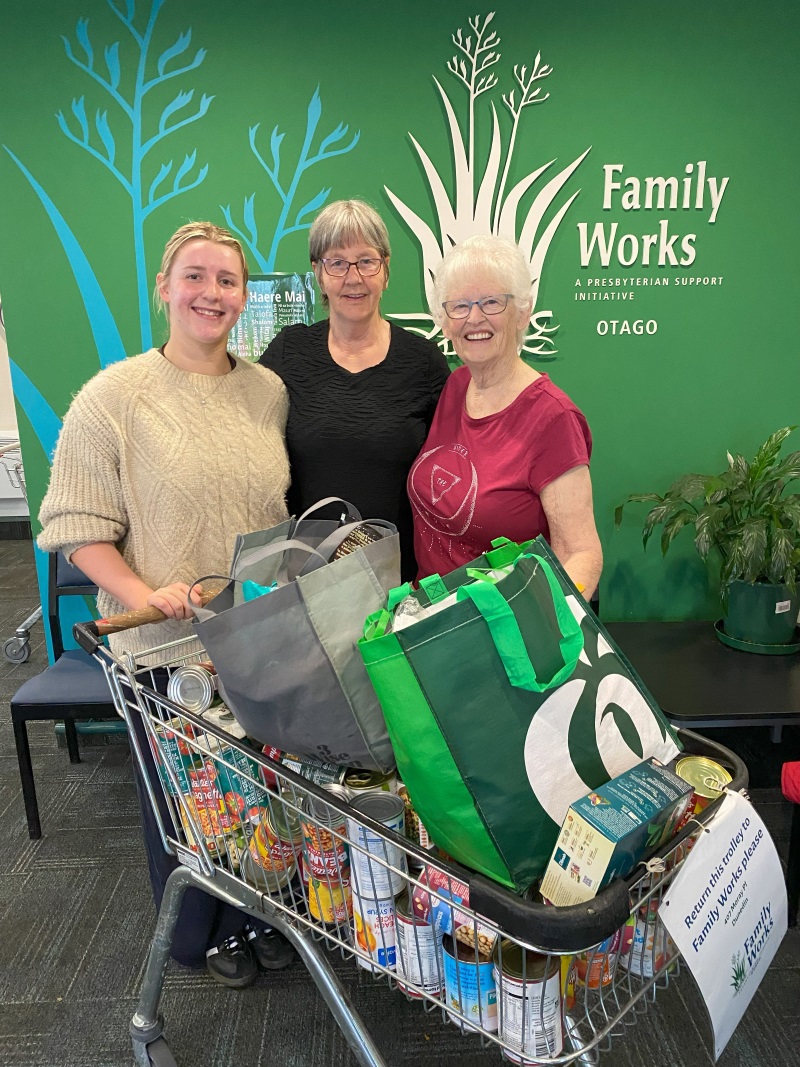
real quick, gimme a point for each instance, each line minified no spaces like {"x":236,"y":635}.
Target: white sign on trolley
{"x":727,"y":912}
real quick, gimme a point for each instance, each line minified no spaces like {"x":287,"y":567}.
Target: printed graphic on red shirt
{"x":443,"y":486}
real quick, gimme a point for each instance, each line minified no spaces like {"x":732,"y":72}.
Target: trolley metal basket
{"x":549,"y":986}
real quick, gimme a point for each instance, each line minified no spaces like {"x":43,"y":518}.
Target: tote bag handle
{"x":275,"y":549}
{"x":507,"y":637}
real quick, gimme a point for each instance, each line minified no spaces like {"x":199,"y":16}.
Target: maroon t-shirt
{"x":477,"y":479}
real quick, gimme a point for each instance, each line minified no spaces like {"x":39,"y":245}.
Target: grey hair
{"x":196,"y":231}
{"x":487,"y":254}
{"x":346,"y":222}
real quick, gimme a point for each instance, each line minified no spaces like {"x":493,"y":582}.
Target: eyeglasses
{"x":489,"y":305}
{"x":367,"y":266}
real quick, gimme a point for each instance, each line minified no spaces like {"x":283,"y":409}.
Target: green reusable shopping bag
{"x":506,"y":706}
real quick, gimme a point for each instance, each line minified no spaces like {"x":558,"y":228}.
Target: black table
{"x":699,"y":682}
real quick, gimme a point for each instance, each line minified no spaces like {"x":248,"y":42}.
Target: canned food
{"x":470,"y":986}
{"x":374,"y":931}
{"x":271,"y":854}
{"x":373,"y":857}
{"x":596,"y":967}
{"x":326,"y":862}
{"x":285,"y":824}
{"x":707,"y":778}
{"x":650,"y":946}
{"x":330,"y":901}
{"x":360,"y":782}
{"x":193,"y":686}
{"x":419,"y":952}
{"x":308,"y":767}
{"x":255,"y":869}
{"x":172,"y":751}
{"x":530,"y":1002}
{"x":236,"y":778}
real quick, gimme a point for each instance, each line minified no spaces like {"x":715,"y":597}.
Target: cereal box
{"x":606,"y":833}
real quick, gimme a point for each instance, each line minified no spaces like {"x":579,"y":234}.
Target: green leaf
{"x":780,"y":563}
{"x":754,"y":549}
{"x":688,"y":487}
{"x":674,"y":526}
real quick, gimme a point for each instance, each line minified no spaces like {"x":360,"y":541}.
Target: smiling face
{"x":352,"y":298}
{"x":204,"y":292}
{"x":479,"y":338}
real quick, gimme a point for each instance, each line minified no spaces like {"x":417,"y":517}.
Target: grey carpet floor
{"x":76,"y":917}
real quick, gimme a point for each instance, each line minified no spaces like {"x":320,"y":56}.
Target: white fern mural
{"x":481,"y":202}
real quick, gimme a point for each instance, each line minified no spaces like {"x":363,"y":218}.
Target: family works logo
{"x":745,"y":961}
{"x":482,"y":201}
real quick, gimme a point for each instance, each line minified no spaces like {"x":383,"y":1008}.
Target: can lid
{"x":707,"y":777}
{"x":358,"y":779}
{"x":284,"y":822}
{"x":379,"y":806}
{"x":191,"y":687}
{"x":523,"y":964}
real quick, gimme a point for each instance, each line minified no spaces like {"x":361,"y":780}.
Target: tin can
{"x":193,"y":687}
{"x":530,"y":1002}
{"x":707,"y":778}
{"x":274,"y":857}
{"x":171,"y":750}
{"x":596,"y":967}
{"x":469,"y":986}
{"x":308,"y":767}
{"x":236,"y":776}
{"x":419,"y":952}
{"x":374,"y":931}
{"x":371,"y":855}
{"x":650,"y":946}
{"x":359,"y":782}
{"x":326,"y":862}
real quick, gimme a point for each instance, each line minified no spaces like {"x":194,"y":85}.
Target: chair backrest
{"x":63,"y":579}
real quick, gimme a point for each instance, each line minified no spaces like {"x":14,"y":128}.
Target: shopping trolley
{"x":544,"y":985}
{"x":17,"y":649}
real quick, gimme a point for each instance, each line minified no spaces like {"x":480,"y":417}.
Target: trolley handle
{"x":88,"y":634}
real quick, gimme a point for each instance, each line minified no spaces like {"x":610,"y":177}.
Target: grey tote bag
{"x":287,"y":662}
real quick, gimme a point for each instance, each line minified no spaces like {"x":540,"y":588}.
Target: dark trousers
{"x":204,"y":920}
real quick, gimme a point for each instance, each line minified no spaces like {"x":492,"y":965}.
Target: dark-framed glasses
{"x":367,"y":266}
{"x":489,"y":305}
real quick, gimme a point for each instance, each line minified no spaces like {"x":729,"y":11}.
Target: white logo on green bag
{"x":548,"y":755}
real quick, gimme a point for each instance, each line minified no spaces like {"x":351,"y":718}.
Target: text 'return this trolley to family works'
{"x":329,"y":869}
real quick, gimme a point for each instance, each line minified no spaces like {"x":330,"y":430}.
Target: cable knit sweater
{"x":170,"y":466}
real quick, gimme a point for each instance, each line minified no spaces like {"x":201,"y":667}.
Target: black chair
{"x":74,"y":687}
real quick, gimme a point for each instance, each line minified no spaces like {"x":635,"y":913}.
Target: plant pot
{"x":762,"y":613}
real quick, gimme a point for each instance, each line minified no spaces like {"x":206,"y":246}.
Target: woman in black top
{"x":362,"y":391}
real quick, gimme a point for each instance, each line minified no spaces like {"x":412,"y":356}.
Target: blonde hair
{"x":196,"y":231}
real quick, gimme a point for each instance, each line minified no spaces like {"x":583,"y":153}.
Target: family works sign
{"x":657,"y":251}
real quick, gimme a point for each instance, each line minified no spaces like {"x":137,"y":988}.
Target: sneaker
{"x":272,"y":950}
{"x":232,"y":963}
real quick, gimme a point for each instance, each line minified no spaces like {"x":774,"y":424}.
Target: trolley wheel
{"x":159,"y":1055}
{"x":17,"y":649}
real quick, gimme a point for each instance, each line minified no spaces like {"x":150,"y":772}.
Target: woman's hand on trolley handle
{"x":173,"y":600}
{"x":103,"y":564}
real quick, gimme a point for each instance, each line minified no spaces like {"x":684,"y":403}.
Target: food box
{"x":444,"y":916}
{"x":606,"y":833}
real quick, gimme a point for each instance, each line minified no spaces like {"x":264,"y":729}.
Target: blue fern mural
{"x":97,"y":137}
{"x":307,"y":159}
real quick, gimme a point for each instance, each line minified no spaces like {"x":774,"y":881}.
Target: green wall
{"x":648,"y":86}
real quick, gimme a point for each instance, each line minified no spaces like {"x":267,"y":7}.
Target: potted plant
{"x":746,"y":515}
